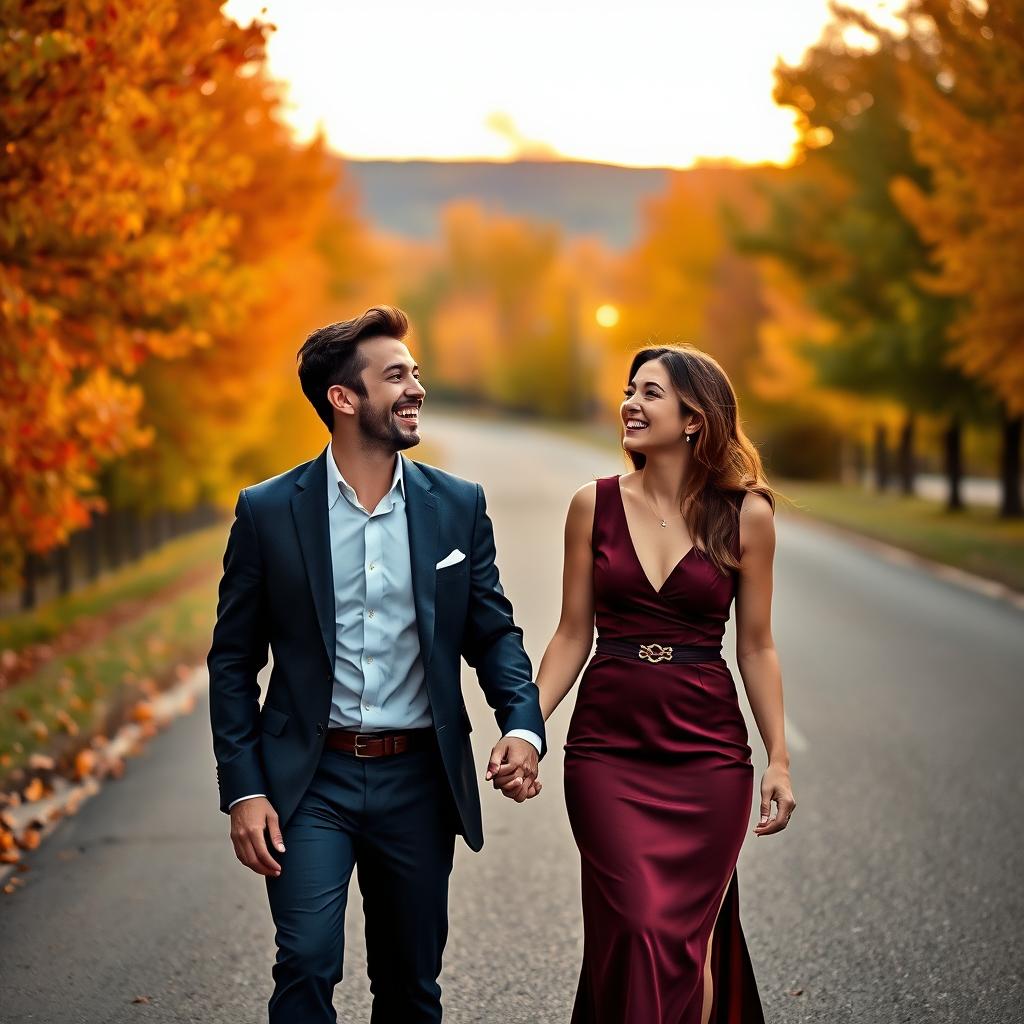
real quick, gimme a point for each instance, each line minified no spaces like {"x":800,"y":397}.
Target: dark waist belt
{"x":659,"y":652}
{"x":380,"y":744}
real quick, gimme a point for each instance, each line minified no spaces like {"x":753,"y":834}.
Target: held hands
{"x":775,"y":785}
{"x":513,"y":768}
{"x":250,"y":819}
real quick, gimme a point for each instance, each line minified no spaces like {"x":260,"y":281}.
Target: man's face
{"x":389,"y":415}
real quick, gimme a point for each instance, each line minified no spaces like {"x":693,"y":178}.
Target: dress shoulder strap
{"x":603,"y":507}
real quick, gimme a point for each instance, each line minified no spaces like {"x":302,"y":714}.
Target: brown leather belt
{"x":380,"y":744}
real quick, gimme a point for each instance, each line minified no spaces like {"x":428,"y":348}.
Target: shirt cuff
{"x":526,"y":734}
{"x":241,"y":798}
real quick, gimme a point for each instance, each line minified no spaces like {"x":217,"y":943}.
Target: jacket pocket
{"x":272,"y":720}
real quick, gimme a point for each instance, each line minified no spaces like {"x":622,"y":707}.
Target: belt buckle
{"x":355,"y":746}
{"x":655,"y":653}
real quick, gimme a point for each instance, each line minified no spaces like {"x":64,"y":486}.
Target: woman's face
{"x":651,"y":411}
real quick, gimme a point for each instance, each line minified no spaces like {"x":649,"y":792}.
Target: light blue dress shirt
{"x":378,"y":671}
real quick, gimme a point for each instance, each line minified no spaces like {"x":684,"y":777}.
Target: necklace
{"x":660,"y":519}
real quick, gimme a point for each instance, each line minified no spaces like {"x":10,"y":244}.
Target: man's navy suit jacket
{"x":278,"y":590}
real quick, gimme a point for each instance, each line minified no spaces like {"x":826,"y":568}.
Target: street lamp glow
{"x":607,"y":315}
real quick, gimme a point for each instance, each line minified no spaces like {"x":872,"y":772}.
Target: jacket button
{"x":319,"y":728}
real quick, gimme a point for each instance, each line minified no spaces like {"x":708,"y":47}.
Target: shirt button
{"x":369,"y":660}
{"x":371,"y":567}
{"x":370,"y":613}
{"x":367,"y":707}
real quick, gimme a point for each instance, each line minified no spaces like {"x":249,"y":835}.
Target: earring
{"x":687,"y":438}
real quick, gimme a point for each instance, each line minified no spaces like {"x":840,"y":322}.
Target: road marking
{"x":794,"y":737}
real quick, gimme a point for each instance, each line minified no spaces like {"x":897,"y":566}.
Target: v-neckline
{"x":636,"y":555}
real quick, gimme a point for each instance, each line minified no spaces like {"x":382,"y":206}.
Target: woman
{"x":658,"y":778}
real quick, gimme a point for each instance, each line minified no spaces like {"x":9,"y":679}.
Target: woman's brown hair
{"x":724,"y":463}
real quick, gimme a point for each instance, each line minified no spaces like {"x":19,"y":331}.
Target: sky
{"x":634,"y":82}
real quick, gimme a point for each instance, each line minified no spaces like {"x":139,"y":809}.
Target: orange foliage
{"x":157,"y":226}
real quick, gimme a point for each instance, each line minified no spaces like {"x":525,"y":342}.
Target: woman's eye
{"x":627,"y":392}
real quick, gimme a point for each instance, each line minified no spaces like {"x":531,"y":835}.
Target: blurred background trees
{"x":165,"y":245}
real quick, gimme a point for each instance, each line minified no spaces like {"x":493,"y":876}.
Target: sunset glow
{"x":645,"y":84}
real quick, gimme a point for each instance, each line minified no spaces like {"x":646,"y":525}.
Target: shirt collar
{"x":336,"y":483}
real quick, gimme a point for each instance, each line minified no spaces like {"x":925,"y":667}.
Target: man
{"x":369,"y":575}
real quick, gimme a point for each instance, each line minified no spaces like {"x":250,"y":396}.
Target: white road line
{"x":794,"y":737}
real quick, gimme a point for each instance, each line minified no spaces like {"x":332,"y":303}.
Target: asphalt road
{"x":896,"y":895}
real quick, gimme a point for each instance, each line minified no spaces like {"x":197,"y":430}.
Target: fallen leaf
{"x":29,"y":839}
{"x":68,"y":724}
{"x":142,"y":712}
{"x":34,"y":790}
{"x":85,"y":763}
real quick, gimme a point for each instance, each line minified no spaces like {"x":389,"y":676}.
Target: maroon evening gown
{"x":658,"y":786}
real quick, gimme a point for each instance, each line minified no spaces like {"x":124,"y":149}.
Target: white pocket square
{"x":453,"y":559}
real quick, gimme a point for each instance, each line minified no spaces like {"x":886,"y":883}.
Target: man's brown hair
{"x":330,"y":355}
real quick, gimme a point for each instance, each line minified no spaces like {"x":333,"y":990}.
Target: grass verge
{"x":139,"y":581}
{"x":90,"y":690}
{"x":975,"y":540}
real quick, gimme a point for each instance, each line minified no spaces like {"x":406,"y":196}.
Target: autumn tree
{"x":836,"y":226}
{"x":963,"y":70}
{"x":151,"y":202}
{"x":500,"y":306}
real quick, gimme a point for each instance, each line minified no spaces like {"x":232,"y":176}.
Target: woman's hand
{"x":775,"y":785}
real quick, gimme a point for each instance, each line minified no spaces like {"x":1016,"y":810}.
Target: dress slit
{"x":734,"y":996}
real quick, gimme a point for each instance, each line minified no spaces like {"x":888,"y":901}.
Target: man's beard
{"x":379,"y":428}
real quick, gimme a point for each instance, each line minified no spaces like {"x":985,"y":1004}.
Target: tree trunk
{"x":133,"y":532}
{"x":29,"y":578}
{"x":93,"y":551}
{"x":112,"y":532}
{"x":953,"y":445}
{"x":63,"y":558}
{"x":1011,"y":506}
{"x":906,"y":455}
{"x":881,"y":459}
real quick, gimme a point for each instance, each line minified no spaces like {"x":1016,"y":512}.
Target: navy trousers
{"x":394,"y":820}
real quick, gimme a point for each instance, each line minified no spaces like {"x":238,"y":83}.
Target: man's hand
{"x":513,"y":768}
{"x":249,"y":820}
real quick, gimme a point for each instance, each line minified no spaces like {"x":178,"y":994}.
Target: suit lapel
{"x":421,"y":508}
{"x":309,"y":509}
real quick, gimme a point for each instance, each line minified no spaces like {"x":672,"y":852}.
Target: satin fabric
{"x":658,"y":788}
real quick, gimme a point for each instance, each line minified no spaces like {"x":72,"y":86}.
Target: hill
{"x":406,"y":197}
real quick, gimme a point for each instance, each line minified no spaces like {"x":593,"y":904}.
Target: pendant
{"x":664,"y":524}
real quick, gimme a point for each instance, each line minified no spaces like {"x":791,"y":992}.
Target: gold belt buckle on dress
{"x":655,"y":653}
